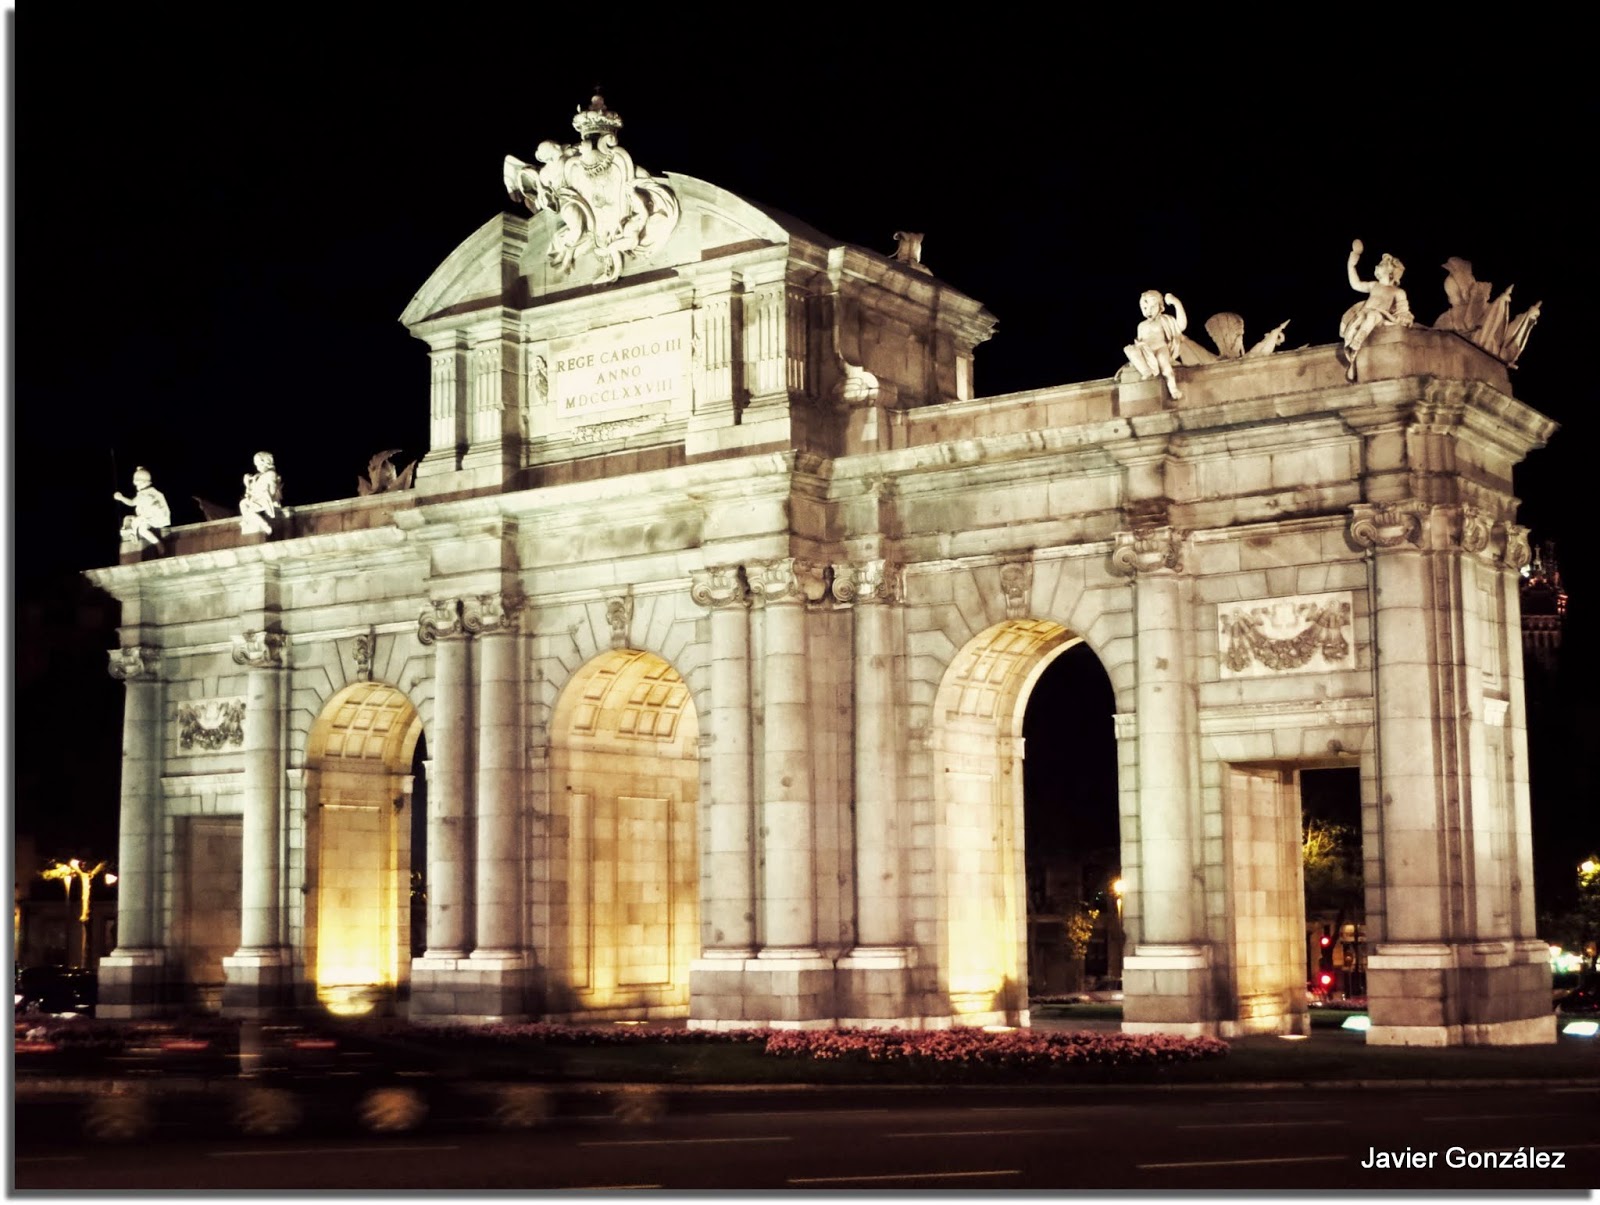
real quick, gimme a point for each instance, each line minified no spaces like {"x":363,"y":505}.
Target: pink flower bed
{"x":1019,"y":1048}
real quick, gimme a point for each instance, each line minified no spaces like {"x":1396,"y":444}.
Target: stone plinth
{"x":1460,"y":994}
{"x":472,"y":990}
{"x":134,"y":984}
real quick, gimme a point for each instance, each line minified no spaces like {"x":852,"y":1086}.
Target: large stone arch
{"x":976,"y":742}
{"x":358,"y":844}
{"x":623,"y":860}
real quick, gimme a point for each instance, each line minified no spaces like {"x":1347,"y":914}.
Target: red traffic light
{"x":1325,"y":979}
{"x":1326,"y":940}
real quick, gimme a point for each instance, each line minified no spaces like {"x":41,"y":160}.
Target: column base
{"x":134,"y":984}
{"x":1167,"y":989}
{"x":483,"y":988}
{"x":1476,"y":993}
{"x":778,"y":989}
{"x":874,"y":988}
{"x":257,"y":983}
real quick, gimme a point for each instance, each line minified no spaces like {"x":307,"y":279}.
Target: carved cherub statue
{"x":263,"y":494}
{"x":1386,"y":304}
{"x":150,"y":510}
{"x":1155,"y":346}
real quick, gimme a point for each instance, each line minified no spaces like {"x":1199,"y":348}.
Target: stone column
{"x":256,"y":975}
{"x":493,"y":620}
{"x":130,"y":977}
{"x":789,"y":896}
{"x":873,"y":586}
{"x":728,"y":906}
{"x":874,"y":987}
{"x":448,"y":812}
{"x":1432,"y":978}
{"x":1166,"y":978}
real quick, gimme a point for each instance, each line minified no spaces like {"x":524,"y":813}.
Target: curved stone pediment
{"x":506,"y":262}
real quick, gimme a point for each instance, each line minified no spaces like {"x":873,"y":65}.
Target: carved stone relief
{"x":1016,"y":583}
{"x":210,"y":724}
{"x":1299,"y":633}
{"x":619,"y":615}
{"x":366,"y":646}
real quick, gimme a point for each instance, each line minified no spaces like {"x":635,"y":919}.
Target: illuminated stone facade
{"x":719,"y":598}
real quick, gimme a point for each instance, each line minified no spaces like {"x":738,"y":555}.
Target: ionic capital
{"x":868,"y":582}
{"x":134,"y":663}
{"x":260,"y":649}
{"x":1386,"y":524}
{"x":1147,"y":550}
{"x":439,"y":619}
{"x":789,"y":580}
{"x":719,"y":586}
{"x":486,"y":614}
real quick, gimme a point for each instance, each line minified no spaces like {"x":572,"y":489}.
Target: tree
{"x":1331,"y":855}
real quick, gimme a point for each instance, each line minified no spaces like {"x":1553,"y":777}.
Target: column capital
{"x":1387,"y":524}
{"x":260,"y":649}
{"x":788,"y":580}
{"x":440,"y":618}
{"x":1147,"y":550}
{"x":874,"y":581}
{"x":719,"y":586}
{"x":134,"y":663}
{"x":487,"y":614}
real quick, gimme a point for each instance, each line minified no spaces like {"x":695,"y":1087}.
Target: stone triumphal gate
{"x":715,"y":608}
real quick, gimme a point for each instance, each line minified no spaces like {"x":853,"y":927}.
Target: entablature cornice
{"x":122,"y":579}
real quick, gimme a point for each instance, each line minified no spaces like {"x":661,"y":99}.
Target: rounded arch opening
{"x":624,"y":864}
{"x":979,"y":746}
{"x":359,"y":817}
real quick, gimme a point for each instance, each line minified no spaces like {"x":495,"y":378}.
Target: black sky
{"x":218,"y":220}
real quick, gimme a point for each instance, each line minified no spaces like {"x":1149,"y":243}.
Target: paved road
{"x":940,"y":1139}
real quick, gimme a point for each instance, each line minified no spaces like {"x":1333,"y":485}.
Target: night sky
{"x":218,"y":223}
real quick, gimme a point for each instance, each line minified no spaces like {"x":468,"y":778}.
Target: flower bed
{"x":1017,"y":1049}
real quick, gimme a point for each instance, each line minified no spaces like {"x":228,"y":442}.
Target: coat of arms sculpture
{"x":606,"y":206}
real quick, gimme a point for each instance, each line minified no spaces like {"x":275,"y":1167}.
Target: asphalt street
{"x":930,"y":1139}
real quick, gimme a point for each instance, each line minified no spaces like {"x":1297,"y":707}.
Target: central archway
{"x":978,"y":785}
{"x":359,"y":784}
{"x":625,"y":860}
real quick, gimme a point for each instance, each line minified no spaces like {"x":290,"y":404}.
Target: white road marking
{"x":979,"y":1133}
{"x":279,"y":1152}
{"x":685,"y":1141}
{"x":793,"y":1113}
{"x":1262,"y":1125}
{"x":609,"y":1187}
{"x":1491,"y":1116}
{"x":1150,"y":1167}
{"x":902,"y":1176}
